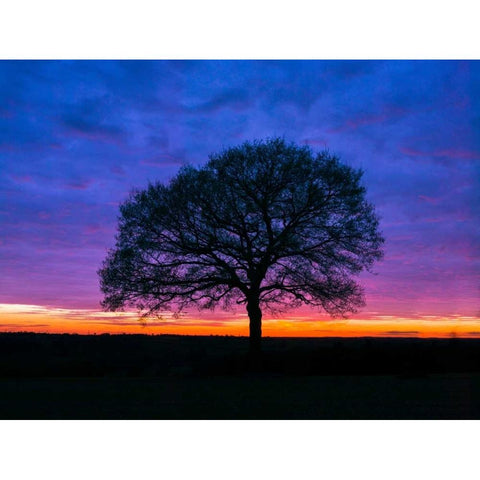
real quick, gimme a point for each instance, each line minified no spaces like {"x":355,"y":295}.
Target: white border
{"x":252,"y":29}
{"x":239,"y":450}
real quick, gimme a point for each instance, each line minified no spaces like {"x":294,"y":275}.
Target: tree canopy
{"x":268,"y":224}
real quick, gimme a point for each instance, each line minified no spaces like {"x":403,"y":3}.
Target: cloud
{"x":93,"y":229}
{"x":89,"y":120}
{"x":77,"y":136}
{"x":17,"y":326}
{"x":389,"y":114}
{"x":79,"y":185}
{"x":360,"y":121}
{"x":456,"y":154}
{"x":22,"y":179}
{"x":402,"y":332}
{"x":162,"y":160}
{"x":236,"y":99}
{"x":430,"y":200}
{"x":165,"y":323}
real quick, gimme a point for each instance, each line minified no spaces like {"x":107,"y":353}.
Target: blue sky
{"x":77,"y":136}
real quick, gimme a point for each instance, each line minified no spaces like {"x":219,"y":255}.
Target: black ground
{"x":45,"y":376}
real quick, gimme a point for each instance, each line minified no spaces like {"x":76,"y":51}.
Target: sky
{"x":77,"y":136}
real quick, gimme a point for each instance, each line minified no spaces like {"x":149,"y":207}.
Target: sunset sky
{"x":77,"y":136}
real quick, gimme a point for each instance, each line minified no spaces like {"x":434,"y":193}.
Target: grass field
{"x":142,"y":377}
{"x":453,"y":396}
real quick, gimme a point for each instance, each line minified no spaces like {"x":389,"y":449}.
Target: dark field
{"x":45,"y":376}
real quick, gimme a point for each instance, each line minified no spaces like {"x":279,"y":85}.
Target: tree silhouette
{"x":266,"y":224}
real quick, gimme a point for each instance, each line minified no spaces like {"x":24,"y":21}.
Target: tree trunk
{"x":255,"y":315}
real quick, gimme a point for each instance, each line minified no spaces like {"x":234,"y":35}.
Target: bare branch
{"x":266,"y":222}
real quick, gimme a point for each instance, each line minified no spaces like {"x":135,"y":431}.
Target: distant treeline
{"x":66,"y":355}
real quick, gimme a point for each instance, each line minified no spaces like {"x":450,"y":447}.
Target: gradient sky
{"x":77,"y":136}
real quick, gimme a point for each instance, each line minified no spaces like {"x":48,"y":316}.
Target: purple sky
{"x":77,"y":136}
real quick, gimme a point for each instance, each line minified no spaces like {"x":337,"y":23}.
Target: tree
{"x":265,"y":224}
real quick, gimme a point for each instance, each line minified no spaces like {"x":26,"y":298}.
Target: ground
{"x":173,"y":377}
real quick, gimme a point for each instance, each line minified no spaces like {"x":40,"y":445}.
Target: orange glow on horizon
{"x":33,"y":318}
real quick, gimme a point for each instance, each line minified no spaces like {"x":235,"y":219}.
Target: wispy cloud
{"x":15,"y":317}
{"x":453,"y":154}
